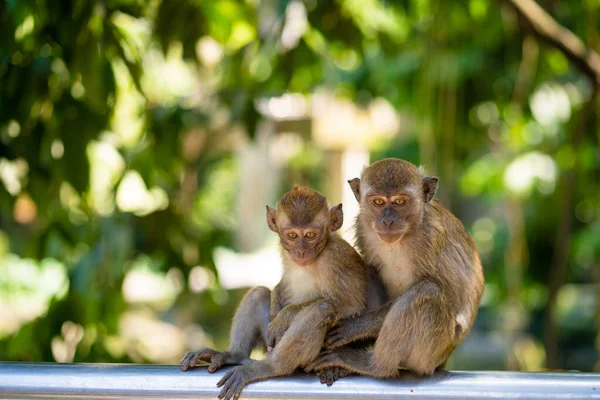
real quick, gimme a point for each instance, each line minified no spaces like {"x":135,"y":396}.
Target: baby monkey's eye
{"x":379,"y":202}
{"x":310,"y":235}
{"x":399,"y":202}
{"x":292,"y":235}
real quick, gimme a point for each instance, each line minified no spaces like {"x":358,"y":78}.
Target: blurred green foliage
{"x":98,"y":97}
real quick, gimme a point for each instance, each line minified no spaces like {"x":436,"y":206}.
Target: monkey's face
{"x":303,"y":221}
{"x":391,"y":217}
{"x":303,"y":244}
{"x":392,"y":194}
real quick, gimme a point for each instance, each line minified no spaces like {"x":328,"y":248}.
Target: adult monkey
{"x":430,"y":269}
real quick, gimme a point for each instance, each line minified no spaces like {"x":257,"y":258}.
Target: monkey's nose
{"x":388,"y":221}
{"x":300,"y":253}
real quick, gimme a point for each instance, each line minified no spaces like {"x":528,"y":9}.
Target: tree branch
{"x":550,"y":31}
{"x":562,"y":246}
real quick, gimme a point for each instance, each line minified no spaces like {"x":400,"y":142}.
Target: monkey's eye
{"x":292,"y":235}
{"x":399,"y":202}
{"x":310,"y":235}
{"x":379,"y":202}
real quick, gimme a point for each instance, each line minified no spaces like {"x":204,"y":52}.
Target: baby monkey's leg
{"x":300,"y":344}
{"x":248,"y":330}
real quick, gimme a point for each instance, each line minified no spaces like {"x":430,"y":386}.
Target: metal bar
{"x":130,"y":381}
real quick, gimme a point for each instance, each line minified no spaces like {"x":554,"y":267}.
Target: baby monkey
{"x":323,"y":280}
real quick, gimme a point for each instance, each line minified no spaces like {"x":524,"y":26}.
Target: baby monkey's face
{"x":304,"y":244}
{"x":303,"y":221}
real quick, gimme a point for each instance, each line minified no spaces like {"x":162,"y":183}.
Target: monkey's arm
{"x":276,"y":302}
{"x":364,"y":326}
{"x":280,"y":324}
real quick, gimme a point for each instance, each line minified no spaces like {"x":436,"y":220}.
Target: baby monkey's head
{"x":303,"y":220}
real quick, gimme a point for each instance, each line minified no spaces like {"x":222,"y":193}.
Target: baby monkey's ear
{"x":429,"y":186}
{"x":271,"y":220}
{"x":355,"y":186}
{"x":336,"y":218}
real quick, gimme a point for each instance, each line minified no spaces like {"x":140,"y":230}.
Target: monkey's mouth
{"x":389,"y":237}
{"x":303,"y":261}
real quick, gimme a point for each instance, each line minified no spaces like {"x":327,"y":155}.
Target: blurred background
{"x":141,"y":140}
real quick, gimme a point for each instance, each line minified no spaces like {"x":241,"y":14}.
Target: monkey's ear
{"x":271,"y":220}
{"x":429,"y":186}
{"x":336,"y":218}
{"x":355,"y":186}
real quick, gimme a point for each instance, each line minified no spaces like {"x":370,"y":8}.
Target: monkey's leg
{"x":281,"y":323}
{"x":300,"y":344}
{"x":249,"y":329}
{"x":364,"y":326}
{"x":417,"y":334}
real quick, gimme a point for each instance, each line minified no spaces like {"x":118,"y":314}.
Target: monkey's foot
{"x":352,"y":360}
{"x":233,"y":382}
{"x":330,"y":375}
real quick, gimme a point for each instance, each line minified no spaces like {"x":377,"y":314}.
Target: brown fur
{"x":329,"y":283}
{"x":390,"y":176}
{"x":302,"y":204}
{"x":431,"y":273}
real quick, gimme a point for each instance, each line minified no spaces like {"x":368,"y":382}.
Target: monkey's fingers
{"x":225,"y":378}
{"x":217,"y":361}
{"x":270,"y":338}
{"x":184,"y":357}
{"x":185,"y":361}
{"x":274,"y":338}
{"x":223,"y":391}
{"x":336,"y":338}
{"x":189,"y":360}
{"x":333,"y":341}
{"x":232,"y":388}
{"x":192,"y":357}
{"x":270,"y":343}
{"x":193,"y":360}
{"x":327,"y":376}
{"x":331,"y":376}
{"x":236,"y":391}
{"x":322,"y":376}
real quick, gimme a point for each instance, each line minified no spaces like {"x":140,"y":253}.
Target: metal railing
{"x":130,"y":381}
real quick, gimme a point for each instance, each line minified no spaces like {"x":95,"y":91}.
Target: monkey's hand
{"x":217,"y":359}
{"x":277,"y":329}
{"x":192,"y":357}
{"x":342,"y":334}
{"x":344,"y":358}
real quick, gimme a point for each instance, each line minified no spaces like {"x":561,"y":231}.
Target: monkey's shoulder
{"x":442,"y":219}
{"x":340,"y":252}
{"x":449,"y":246}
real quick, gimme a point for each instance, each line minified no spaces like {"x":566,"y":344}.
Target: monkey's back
{"x":459,"y":266}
